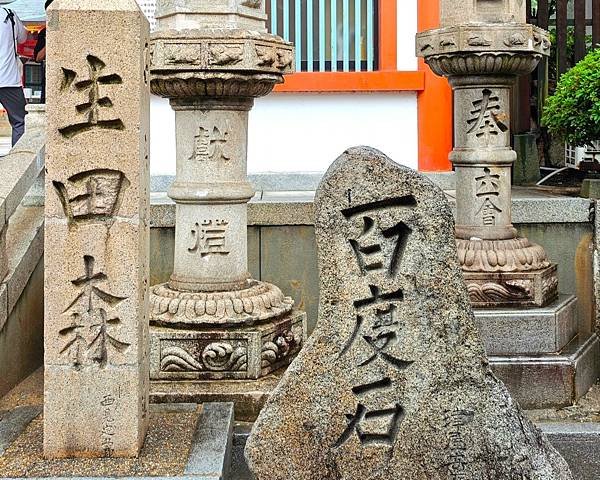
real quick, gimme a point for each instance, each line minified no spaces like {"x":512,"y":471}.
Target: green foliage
{"x":573,"y":112}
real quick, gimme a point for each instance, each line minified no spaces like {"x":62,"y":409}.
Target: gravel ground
{"x":165,"y":452}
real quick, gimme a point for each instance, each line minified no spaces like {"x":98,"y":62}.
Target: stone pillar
{"x":211,"y":192}
{"x":211,"y":321}
{"x":96,"y":230}
{"x":482,"y":51}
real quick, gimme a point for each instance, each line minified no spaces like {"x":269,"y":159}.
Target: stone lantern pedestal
{"x":211,"y":321}
{"x":482,"y":47}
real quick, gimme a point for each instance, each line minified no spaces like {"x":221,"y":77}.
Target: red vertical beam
{"x":388,"y":35}
{"x":434,"y":103}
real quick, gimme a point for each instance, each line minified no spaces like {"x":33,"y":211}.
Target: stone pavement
{"x":184,"y":441}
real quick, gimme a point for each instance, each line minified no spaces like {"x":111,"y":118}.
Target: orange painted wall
{"x":435,"y":105}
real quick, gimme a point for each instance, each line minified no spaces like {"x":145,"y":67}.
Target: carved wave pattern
{"x":222,"y":356}
{"x":216,"y":357}
{"x":260,"y":302}
{"x":176,"y":359}
{"x":279,"y":347}
{"x":509,"y":291}
{"x":515,"y":255}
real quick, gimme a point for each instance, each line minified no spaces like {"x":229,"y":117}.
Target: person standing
{"x":39,"y":53}
{"x":12,"y":33}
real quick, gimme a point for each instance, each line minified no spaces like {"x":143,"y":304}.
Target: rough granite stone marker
{"x":394,"y":382}
{"x":96,"y":231}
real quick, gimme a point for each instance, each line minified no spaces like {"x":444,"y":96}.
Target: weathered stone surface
{"x":394,"y":382}
{"x":96,"y":230}
{"x":494,"y":11}
{"x":211,"y":59}
{"x":216,"y":353}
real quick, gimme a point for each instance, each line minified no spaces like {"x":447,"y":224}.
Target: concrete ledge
{"x":270,"y":208}
{"x":579,"y":444}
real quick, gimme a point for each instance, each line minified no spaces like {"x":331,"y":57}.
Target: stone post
{"x":482,"y":47}
{"x":96,"y":230}
{"x":211,"y":321}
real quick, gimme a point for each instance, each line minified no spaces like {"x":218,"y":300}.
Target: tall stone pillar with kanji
{"x":96,"y":230}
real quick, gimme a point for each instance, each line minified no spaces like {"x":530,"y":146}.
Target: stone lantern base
{"x":519,"y":289}
{"x":507,"y":273}
{"x":217,"y":353}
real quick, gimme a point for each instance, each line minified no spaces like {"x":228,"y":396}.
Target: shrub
{"x":573,"y":112}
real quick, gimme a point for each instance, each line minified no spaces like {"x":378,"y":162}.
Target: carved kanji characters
{"x":373,"y":426}
{"x":209,"y":238}
{"x":487,"y":189}
{"x":93,"y":107}
{"x":211,"y":144}
{"x":487,"y":117}
{"x":89,"y":338}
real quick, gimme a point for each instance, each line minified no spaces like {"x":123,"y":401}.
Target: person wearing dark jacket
{"x":39,"y":53}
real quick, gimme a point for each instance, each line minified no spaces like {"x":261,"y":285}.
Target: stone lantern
{"x":211,"y":321}
{"x":531,"y":333}
{"x":482,"y":47}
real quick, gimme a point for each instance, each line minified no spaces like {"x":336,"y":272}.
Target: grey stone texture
{"x":579,"y":444}
{"x":394,"y":382}
{"x":96,"y":230}
{"x":210,"y":455}
{"x":531,"y":331}
{"x":551,"y":380}
{"x":13,"y":423}
{"x":211,"y":59}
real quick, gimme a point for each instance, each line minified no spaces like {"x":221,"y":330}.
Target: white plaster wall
{"x":307,"y":132}
{"x":407,"y":29}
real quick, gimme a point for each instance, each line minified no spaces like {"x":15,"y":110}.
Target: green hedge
{"x":573,"y":112}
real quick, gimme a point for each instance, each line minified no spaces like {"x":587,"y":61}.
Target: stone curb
{"x":210,"y":455}
{"x":579,"y":444}
{"x":210,"y":451}
{"x":14,"y":422}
